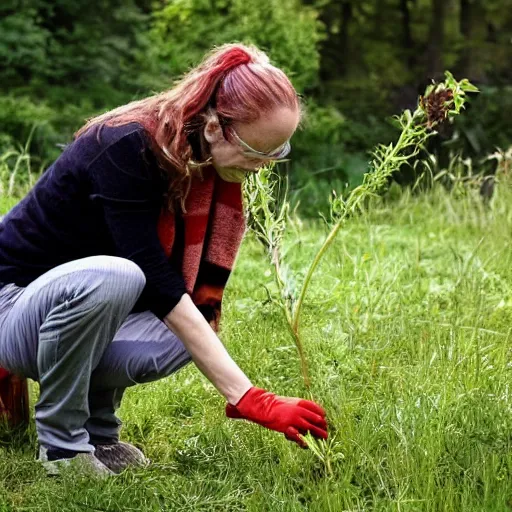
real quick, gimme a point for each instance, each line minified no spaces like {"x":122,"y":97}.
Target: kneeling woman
{"x":112,"y":268}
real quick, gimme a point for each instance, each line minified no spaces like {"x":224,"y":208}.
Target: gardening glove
{"x":291,"y":416}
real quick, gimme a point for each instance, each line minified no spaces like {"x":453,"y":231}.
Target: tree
{"x":407,"y":39}
{"x":66,"y":42}
{"x":184,"y":30}
{"x":337,"y":49}
{"x":473,"y":28}
{"x":434,"y":64}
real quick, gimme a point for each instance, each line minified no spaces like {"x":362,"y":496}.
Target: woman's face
{"x":228,"y":146}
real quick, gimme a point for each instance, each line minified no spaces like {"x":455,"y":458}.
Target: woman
{"x":113,"y":266}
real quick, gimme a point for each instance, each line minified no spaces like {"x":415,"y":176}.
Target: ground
{"x":407,"y":329}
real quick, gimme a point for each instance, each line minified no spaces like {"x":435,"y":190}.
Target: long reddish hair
{"x":235,"y":80}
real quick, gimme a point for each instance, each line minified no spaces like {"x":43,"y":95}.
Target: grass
{"x":6,"y":203}
{"x":407,"y":328}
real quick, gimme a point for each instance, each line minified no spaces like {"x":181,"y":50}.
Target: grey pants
{"x":71,"y":330}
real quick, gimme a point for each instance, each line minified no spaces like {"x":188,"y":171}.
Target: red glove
{"x":291,"y":416}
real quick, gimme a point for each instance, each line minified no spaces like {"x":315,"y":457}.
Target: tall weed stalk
{"x":268,"y":207}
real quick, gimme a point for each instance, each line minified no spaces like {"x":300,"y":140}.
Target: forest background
{"x":355,"y":62}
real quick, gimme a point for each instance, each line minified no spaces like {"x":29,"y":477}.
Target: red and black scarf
{"x":213,"y":226}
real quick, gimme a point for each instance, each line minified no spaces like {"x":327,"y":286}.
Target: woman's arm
{"x":207,"y":351}
{"x":291,"y":416}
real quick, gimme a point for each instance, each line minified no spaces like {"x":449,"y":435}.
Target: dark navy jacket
{"x":102,"y":196}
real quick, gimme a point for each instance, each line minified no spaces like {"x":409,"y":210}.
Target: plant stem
{"x":334,"y":231}
{"x":327,"y":242}
{"x":294,"y":330}
{"x":415,"y":130}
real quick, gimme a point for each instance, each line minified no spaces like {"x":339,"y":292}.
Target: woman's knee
{"x":107,"y":281}
{"x":121,"y":270}
{"x":114,"y":278}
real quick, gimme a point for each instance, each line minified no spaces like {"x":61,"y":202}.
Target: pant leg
{"x":57,"y":331}
{"x":103,"y":425}
{"x":143,"y":350}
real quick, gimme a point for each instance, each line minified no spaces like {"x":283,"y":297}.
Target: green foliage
{"x":23,"y":43}
{"x":20,"y":114}
{"x":63,"y":42}
{"x":61,"y":62}
{"x":16,"y":170}
{"x":48,"y":126}
{"x":184,"y":30}
{"x":331,"y":151}
{"x":358,"y":62}
{"x":266,"y":207}
{"x":488,"y":125}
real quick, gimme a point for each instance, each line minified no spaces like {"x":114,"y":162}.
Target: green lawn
{"x":408,"y":330}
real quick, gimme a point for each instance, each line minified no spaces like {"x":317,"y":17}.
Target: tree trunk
{"x":474,"y":29}
{"x":436,"y":40}
{"x":344,"y":39}
{"x":407,"y":40}
{"x":335,"y":52}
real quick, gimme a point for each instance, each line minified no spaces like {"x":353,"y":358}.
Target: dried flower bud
{"x":436,"y":106}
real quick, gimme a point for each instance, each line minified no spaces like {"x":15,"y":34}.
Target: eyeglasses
{"x":277,"y":154}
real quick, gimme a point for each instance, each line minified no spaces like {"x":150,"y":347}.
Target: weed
{"x":269,"y":210}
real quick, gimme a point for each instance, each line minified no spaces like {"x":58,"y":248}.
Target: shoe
{"x":119,"y":456}
{"x":86,"y":463}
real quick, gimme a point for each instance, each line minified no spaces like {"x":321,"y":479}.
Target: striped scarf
{"x":214,"y":225}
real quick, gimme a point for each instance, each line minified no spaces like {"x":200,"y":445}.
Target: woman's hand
{"x":291,"y":416}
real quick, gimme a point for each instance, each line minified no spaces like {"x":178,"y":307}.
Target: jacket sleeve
{"x":129,"y":192}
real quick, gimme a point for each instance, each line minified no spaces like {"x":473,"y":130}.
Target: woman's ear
{"x":213,"y":130}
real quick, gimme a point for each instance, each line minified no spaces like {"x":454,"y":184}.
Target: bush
{"x":486,"y":125}
{"x":54,"y":123}
{"x":19,"y":115}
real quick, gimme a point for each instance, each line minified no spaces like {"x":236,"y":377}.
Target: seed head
{"x":436,"y":105}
